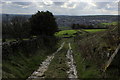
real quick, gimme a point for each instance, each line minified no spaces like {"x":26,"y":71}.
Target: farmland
{"x":107,"y":24}
{"x":94,"y":30}
{"x":68,"y":33}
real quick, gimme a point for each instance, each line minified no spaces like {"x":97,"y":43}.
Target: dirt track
{"x":72,"y":72}
{"x":39,"y":73}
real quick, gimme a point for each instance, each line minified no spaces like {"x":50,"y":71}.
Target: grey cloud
{"x":82,"y":5}
{"x":73,"y":8}
{"x":58,"y":3}
{"x":22,"y":3}
{"x":71,"y":4}
{"x":101,"y":4}
{"x":107,"y":5}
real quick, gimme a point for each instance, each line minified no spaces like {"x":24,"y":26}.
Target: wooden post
{"x":111,"y":58}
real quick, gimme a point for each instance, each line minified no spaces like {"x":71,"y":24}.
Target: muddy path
{"x":72,"y":72}
{"x":68,"y":60}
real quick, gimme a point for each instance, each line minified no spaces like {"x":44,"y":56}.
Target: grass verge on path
{"x":21,"y":66}
{"x":84,"y":68}
{"x":58,"y":67}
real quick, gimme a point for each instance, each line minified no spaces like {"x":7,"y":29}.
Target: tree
{"x":78,"y":26}
{"x":43,"y":23}
{"x":82,"y":26}
{"x":17,"y":28}
{"x":20,"y":27}
{"x":73,"y":26}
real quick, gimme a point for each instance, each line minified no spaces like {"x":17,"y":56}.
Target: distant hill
{"x":67,"y":21}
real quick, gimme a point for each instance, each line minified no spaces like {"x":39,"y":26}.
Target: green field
{"x":69,"y":33}
{"x":66,"y":33}
{"x":94,"y":30}
{"x":107,"y":24}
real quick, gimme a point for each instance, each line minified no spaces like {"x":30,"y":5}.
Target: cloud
{"x":48,"y":2}
{"x":7,"y":2}
{"x":58,"y":3}
{"x":61,"y":8}
{"x":107,"y":5}
{"x":22,"y":3}
{"x":69,"y":4}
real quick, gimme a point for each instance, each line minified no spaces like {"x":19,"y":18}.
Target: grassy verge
{"x":58,"y":67}
{"x":20,"y":61}
{"x":84,"y":68}
{"x":91,"y":54}
{"x":21,"y":66}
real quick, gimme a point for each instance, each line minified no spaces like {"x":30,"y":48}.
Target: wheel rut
{"x":39,"y":73}
{"x":72,"y":72}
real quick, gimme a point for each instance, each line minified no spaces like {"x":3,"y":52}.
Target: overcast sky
{"x":61,"y":8}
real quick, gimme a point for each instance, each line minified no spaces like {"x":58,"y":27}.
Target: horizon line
{"x":59,"y":14}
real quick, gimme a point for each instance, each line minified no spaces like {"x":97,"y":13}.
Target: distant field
{"x":107,"y":24}
{"x":68,"y":33}
{"x":94,"y":30}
